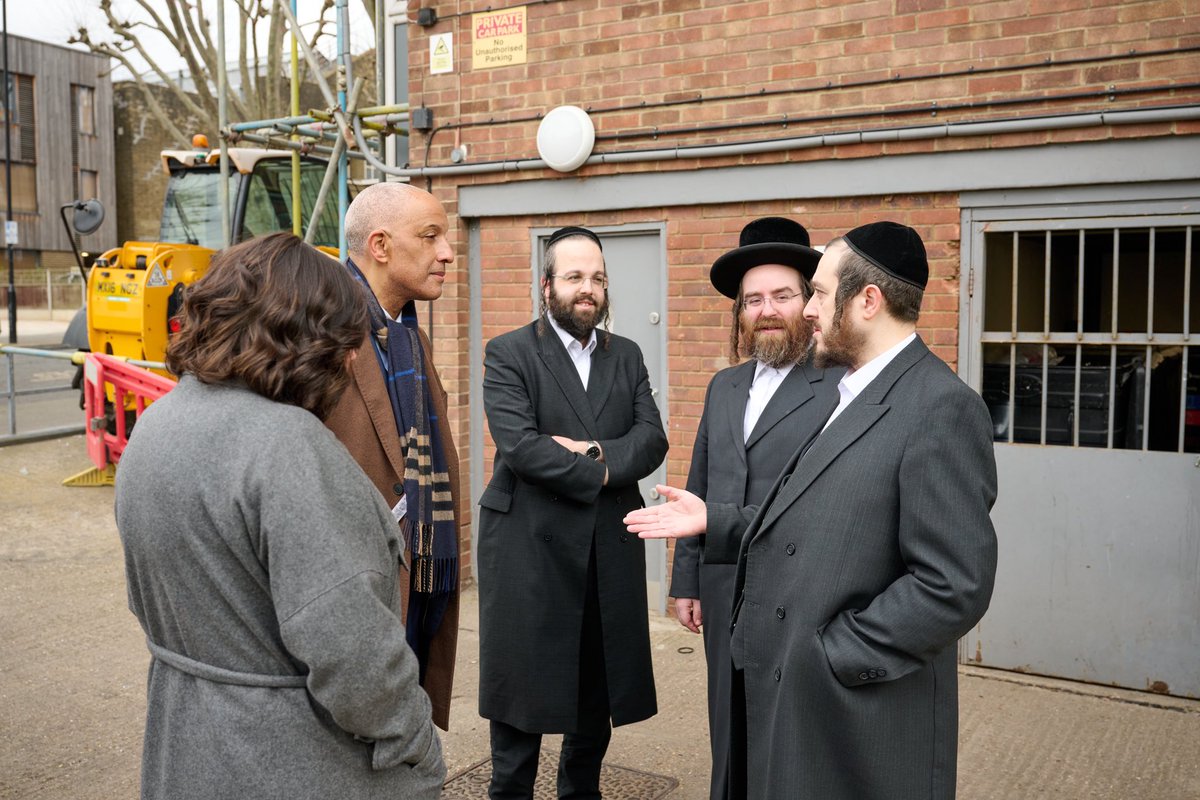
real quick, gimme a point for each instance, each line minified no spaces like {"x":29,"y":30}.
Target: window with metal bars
{"x":1087,"y":335}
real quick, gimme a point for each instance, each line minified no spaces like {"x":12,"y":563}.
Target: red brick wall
{"x":698,"y":318}
{"x":664,"y":73}
{"x":893,"y":62}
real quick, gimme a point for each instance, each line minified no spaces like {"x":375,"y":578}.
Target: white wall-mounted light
{"x":565,"y":138}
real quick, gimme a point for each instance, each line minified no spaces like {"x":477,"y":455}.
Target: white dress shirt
{"x":581,"y":355}
{"x":766,"y":381}
{"x":852,"y":384}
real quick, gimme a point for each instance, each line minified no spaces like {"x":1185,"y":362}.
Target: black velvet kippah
{"x":573,"y":230}
{"x":894,"y":248}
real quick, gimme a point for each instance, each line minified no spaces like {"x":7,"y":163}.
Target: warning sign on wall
{"x":498,"y":38}
{"x":441,"y":53}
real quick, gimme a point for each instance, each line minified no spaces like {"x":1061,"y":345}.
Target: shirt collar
{"x":858,"y":380}
{"x":761,"y":369}
{"x":568,"y":339}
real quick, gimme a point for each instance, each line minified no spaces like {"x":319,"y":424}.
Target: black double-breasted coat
{"x":868,"y":559}
{"x":544,"y":511}
{"x":733,"y":474}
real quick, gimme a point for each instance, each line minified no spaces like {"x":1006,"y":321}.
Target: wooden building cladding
{"x":61,"y":129}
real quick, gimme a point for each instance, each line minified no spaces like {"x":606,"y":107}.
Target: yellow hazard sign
{"x":441,"y":53}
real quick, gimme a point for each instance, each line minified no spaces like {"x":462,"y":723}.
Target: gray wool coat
{"x":542,"y":512}
{"x":870,"y":557}
{"x":262,"y":565}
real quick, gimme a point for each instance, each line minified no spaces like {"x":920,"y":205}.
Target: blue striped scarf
{"x":428,"y":523}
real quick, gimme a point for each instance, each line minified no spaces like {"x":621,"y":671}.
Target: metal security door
{"x":635,"y":261}
{"x":1081,"y":342}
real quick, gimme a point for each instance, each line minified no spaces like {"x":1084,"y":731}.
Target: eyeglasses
{"x":577,"y":279}
{"x":778,"y":299}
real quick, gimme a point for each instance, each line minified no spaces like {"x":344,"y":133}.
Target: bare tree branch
{"x":274,"y":69}
{"x":122,"y":30}
{"x":200,"y":78}
{"x":187,"y":27}
{"x":118,"y":55}
{"x":317,"y":34}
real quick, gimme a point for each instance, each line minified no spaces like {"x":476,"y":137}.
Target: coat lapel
{"x":600,"y":379}
{"x":369,"y":377}
{"x":735,"y":406}
{"x":795,"y":391}
{"x":558,"y":363}
{"x":857,"y":418}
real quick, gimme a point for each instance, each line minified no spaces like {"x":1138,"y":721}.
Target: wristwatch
{"x":593,"y":451}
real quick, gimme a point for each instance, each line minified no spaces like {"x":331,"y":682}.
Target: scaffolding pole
{"x":307,"y":133}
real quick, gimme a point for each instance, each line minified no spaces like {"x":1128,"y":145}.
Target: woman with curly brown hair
{"x":261,"y":562}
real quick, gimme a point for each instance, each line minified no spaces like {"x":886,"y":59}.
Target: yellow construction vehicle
{"x":134,"y":291}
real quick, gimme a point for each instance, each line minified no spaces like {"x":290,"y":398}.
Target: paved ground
{"x":72,"y":681}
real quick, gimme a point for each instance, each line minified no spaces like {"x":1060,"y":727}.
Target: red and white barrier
{"x":127,"y":381}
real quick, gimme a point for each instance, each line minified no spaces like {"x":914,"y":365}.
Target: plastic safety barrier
{"x":129,"y":383}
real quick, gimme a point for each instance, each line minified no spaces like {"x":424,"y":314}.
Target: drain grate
{"x":616,"y":783}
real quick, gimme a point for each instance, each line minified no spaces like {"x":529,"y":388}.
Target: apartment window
{"x":85,"y":104}
{"x":89,"y":184}
{"x":24,"y":195}
{"x":18,"y":113}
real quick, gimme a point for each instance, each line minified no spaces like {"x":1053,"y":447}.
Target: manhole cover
{"x":616,"y":783}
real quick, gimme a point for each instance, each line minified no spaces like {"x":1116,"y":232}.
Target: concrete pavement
{"x":34,"y":328}
{"x":1020,"y":737}
{"x":73,"y":662}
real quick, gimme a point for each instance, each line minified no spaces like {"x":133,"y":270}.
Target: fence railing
{"x":12,"y":392}
{"x":60,"y":290}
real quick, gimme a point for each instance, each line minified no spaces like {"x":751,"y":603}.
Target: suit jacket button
{"x":398,"y":488}
{"x":780,"y":612}
{"x":882,"y":673}
{"x":624,"y":538}
{"x":547,"y":538}
{"x":790,"y":549}
{"x":778,"y":674}
{"x":862,"y":676}
{"x":872,"y":673}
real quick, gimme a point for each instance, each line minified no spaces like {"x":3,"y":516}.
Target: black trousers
{"x":515,"y":752}
{"x":735,"y":787}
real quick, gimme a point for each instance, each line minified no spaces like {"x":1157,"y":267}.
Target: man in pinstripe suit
{"x":871,"y":556}
{"x":756,"y":414}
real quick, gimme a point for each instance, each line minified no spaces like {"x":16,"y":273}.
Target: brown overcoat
{"x":364,"y":423}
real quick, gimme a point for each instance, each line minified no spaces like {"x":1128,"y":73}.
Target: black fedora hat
{"x":769,"y":240}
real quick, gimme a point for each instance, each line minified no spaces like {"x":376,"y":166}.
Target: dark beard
{"x":778,"y":351}
{"x":840,"y":345}
{"x":578,"y":324}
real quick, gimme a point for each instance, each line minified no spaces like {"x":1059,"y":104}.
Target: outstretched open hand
{"x":684,"y":514}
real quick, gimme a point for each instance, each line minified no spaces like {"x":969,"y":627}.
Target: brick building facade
{"x":979,"y":124}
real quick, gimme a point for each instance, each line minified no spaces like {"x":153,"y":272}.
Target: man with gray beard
{"x":756,"y":415}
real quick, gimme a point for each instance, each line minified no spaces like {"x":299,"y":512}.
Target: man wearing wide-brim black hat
{"x":756,"y":414}
{"x":873,"y":554}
